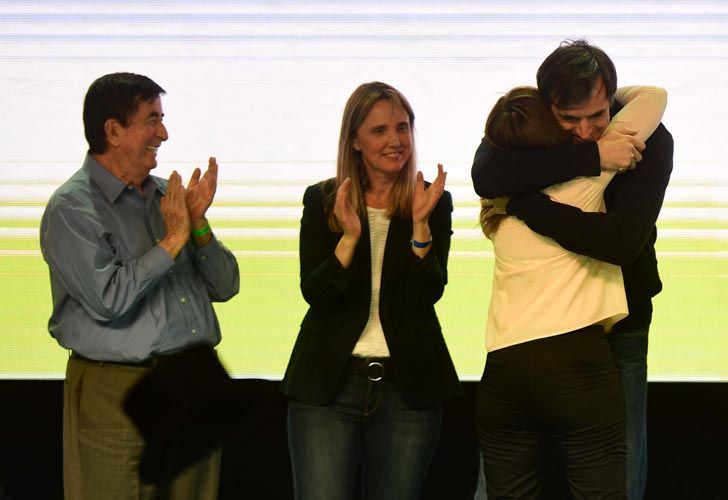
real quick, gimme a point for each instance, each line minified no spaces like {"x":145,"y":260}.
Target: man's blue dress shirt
{"x":117,"y":295}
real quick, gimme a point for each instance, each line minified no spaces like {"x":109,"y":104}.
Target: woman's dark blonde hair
{"x":349,"y":162}
{"x":521,"y":119}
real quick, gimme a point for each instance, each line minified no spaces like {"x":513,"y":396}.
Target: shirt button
{"x":157,"y":240}
{"x":194,"y":330}
{"x":183,"y":299}
{"x":204,"y":257}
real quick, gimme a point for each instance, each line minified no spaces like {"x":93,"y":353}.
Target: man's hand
{"x":201,"y":191}
{"x":619,"y":150}
{"x":175,"y":215}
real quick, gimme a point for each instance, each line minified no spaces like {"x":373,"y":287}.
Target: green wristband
{"x":198,"y":233}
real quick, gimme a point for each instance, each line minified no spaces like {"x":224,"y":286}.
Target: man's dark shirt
{"x":625,"y":235}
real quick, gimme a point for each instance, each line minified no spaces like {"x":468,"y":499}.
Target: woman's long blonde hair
{"x":521,"y":119}
{"x":349,"y":162}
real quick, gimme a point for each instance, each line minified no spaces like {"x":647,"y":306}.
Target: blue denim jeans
{"x":369,"y":433}
{"x":630,"y":354}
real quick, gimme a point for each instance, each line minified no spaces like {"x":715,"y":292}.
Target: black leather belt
{"x":375,"y":369}
{"x":147,"y":363}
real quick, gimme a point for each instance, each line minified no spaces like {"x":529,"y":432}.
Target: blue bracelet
{"x":420,"y":244}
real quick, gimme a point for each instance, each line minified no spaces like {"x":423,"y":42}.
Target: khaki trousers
{"x":102,"y":448}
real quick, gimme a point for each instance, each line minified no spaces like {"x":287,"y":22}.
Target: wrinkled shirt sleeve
{"x":219,"y":269}
{"x":82,"y":257}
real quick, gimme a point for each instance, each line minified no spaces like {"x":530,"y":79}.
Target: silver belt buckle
{"x":381,"y":371}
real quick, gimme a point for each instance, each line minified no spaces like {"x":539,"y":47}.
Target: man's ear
{"x":112,"y":129}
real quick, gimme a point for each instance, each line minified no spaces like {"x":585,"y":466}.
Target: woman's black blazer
{"x":339,"y":302}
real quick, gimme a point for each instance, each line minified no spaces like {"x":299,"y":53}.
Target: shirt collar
{"x":111,"y":185}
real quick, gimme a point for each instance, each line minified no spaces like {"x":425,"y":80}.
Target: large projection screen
{"x":262,"y":85}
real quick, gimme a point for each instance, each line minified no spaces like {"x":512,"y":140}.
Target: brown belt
{"x":375,"y":369}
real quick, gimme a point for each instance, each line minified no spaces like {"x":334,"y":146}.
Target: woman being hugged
{"x":370,"y":367}
{"x":550,"y":375}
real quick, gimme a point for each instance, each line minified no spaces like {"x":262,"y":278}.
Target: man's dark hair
{"x":568,"y":76}
{"x":114,"y":96}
